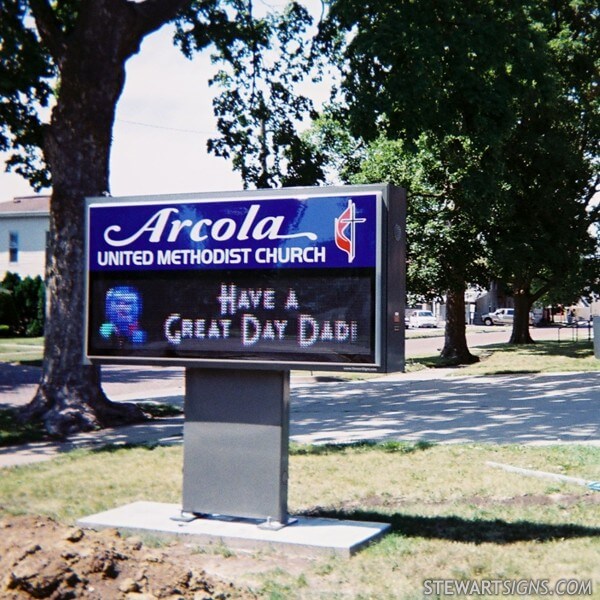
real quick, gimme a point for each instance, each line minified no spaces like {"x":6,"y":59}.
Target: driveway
{"x":553,"y":408}
{"x":430,"y":405}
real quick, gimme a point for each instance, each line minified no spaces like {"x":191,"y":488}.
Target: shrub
{"x":8,"y":312}
{"x":25,"y":309}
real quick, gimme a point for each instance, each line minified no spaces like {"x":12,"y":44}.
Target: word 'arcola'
{"x":162,"y":223}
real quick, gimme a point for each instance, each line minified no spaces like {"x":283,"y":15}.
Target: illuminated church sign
{"x":281,"y":279}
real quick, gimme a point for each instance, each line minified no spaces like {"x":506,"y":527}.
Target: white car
{"x":502,"y":316}
{"x":422,"y":318}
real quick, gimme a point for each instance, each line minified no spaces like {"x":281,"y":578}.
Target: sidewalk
{"x":427,"y":405}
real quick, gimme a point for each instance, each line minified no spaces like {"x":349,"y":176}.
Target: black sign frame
{"x":381,"y":349}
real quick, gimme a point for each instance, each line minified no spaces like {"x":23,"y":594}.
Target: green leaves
{"x":444,"y":249}
{"x":26,"y":77}
{"x":489,"y":107}
{"x":22,"y":305}
{"x":259,"y":108}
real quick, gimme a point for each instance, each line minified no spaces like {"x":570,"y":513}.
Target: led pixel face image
{"x":123,"y":309}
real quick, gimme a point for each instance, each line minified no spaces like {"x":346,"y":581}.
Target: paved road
{"x":554,"y":408}
{"x":17,"y":385}
{"x":434,"y":405}
{"x":431,"y":406}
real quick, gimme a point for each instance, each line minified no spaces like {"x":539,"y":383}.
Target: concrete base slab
{"x":307,"y":536}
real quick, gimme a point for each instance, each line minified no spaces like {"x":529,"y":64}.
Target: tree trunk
{"x":520,"y":331}
{"x":455,"y":349}
{"x":77,"y":148}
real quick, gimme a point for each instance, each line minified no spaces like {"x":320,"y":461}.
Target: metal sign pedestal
{"x":236,"y":436}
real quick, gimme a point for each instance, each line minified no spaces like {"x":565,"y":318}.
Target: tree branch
{"x":592,"y":190}
{"x":543,"y":290}
{"x":49,"y":28}
{"x":153,"y":14}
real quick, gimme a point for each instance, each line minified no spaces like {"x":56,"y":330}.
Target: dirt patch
{"x":375,"y":501}
{"x":565,"y":500}
{"x":40,"y":558}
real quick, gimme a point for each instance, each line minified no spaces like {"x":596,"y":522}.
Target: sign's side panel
{"x":395,"y":292}
{"x":86,"y":279}
{"x":289,"y":280}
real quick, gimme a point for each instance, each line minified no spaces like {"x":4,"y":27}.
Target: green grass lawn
{"x":452,"y":515}
{"x":541,"y":357}
{"x":25,"y":351}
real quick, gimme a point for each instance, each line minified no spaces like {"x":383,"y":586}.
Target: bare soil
{"x":41,"y":558}
{"x":375,"y":501}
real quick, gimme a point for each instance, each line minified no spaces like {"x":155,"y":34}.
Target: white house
{"x":24,"y":232}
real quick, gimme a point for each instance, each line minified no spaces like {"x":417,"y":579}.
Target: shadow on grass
{"x":567,"y":348}
{"x":118,"y":447}
{"x":13,"y":432}
{"x":33,"y":362}
{"x":545,"y":348}
{"x":437,"y":362}
{"x":458,"y":529}
{"x":386,"y":446}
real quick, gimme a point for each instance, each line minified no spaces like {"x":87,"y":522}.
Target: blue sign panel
{"x":272,"y":280}
{"x":321,"y":232}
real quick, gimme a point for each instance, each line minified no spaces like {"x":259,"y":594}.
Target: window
{"x":13,"y":247}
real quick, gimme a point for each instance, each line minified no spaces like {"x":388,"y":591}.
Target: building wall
{"x":31,"y":257}
{"x":586,"y":309}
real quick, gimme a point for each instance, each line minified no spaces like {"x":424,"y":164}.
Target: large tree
{"x":491,"y":88}
{"x":541,"y":234}
{"x":444,"y":249}
{"x":427,"y":73}
{"x":74,"y":52}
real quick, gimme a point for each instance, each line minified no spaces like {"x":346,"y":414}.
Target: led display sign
{"x":272,"y":279}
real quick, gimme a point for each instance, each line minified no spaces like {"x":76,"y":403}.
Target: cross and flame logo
{"x":345,"y":228}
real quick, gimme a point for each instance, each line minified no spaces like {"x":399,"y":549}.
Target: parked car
{"x":422,"y":318}
{"x":502,"y":316}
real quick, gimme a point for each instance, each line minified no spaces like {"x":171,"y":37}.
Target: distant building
{"x":24,"y":234}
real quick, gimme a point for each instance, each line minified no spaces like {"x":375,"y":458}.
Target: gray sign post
{"x":236,"y":444}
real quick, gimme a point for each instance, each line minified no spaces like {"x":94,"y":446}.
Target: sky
{"x":164,"y":119}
